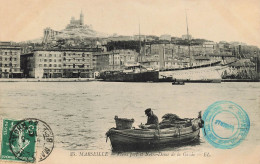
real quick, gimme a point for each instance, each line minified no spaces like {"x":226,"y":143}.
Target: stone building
{"x":101,"y":61}
{"x":67,"y":63}
{"x":119,"y":58}
{"x":49,"y":34}
{"x":10,"y":60}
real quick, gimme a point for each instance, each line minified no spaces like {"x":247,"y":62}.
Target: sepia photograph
{"x":129,"y":81}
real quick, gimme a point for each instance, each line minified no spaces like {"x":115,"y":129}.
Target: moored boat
{"x":143,"y":139}
{"x":132,"y":73}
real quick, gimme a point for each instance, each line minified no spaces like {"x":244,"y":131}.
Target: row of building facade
{"x":87,"y":62}
{"x":57,"y":63}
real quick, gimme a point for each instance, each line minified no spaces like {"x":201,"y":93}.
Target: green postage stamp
{"x":18,"y":140}
{"x":29,"y":140}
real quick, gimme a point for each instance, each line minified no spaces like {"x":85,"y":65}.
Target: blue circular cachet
{"x":226,"y":124}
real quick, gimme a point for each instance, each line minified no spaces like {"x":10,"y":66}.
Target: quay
{"x":47,"y":80}
{"x":240,"y":80}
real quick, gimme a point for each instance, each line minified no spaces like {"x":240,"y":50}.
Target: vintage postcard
{"x":129,"y":81}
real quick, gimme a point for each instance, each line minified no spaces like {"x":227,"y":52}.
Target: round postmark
{"x":31,"y":140}
{"x":226,"y":124}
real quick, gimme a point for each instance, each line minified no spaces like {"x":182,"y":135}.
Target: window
{"x":40,"y":54}
{"x":59,"y":65}
{"x":40,"y":65}
{"x":5,"y":59}
{"x":64,"y":54}
{"x":54,"y":60}
{"x":5,"y":53}
{"x":50,"y":55}
{"x":45,"y":60}
{"x":50,"y":65}
{"x":83,"y":55}
{"x":50,"y":60}
{"x":59,"y":60}
{"x":45,"y":65}
{"x":55,"y":65}
{"x":40,"y":60}
{"x":54,"y":55}
{"x":14,"y":59}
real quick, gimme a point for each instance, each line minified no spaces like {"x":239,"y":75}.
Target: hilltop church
{"x":76,"y":23}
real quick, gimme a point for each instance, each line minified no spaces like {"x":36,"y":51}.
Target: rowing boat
{"x":141,"y":139}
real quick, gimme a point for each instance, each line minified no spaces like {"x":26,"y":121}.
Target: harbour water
{"x":80,"y":113}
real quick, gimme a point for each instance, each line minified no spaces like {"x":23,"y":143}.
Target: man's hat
{"x":148,"y":110}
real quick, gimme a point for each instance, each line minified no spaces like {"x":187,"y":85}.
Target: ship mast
{"x":140,"y":43}
{"x":140,"y":54}
{"x":188,"y":36}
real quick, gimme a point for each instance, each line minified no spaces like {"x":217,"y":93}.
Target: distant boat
{"x":131,"y":73}
{"x":178,"y":83}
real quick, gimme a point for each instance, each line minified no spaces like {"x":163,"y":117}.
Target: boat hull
{"x":146,"y":139}
{"x":203,"y":74}
{"x":131,"y":77}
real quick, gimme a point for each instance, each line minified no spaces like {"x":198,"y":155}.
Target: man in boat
{"x":152,"y":120}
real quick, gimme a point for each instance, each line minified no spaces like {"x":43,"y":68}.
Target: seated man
{"x":152,"y":120}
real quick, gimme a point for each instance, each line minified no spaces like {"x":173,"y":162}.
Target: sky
{"x":217,"y":20}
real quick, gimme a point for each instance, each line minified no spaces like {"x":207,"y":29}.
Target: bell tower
{"x":81,"y":18}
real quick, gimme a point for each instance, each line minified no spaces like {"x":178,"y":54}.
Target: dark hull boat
{"x":118,"y":76}
{"x":145,"y":139}
{"x":131,"y":73}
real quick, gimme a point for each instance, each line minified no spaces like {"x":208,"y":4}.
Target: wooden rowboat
{"x":141,"y":139}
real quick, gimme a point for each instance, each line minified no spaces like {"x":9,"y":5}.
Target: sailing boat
{"x":210,"y":72}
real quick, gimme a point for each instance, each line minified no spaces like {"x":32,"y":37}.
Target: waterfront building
{"x":209,"y":47}
{"x":119,"y":58}
{"x":10,"y":60}
{"x":54,"y":63}
{"x":241,"y":69}
{"x":101,"y":62}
